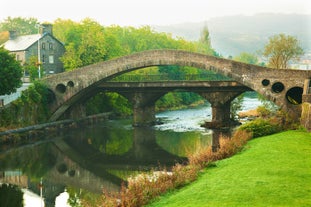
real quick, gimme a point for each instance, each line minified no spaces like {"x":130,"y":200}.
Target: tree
{"x":11,"y":195}
{"x":24,"y":26}
{"x":10,"y":73}
{"x":247,"y":58}
{"x":235,"y":106}
{"x":31,"y":68}
{"x":204,"y":43}
{"x":4,"y":36}
{"x":85,"y":42}
{"x":281,"y":49}
{"x":205,"y":37}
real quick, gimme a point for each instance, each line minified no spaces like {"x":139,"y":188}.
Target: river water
{"x":81,"y":162}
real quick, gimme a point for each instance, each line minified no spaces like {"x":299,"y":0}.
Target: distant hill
{"x":232,"y":35}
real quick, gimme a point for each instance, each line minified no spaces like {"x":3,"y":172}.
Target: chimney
{"x":13,"y":34}
{"x":46,"y":29}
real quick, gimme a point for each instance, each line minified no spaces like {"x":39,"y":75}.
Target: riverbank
{"x":21,"y":134}
{"x":272,"y":171}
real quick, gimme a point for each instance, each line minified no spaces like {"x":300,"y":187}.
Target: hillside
{"x":232,"y":35}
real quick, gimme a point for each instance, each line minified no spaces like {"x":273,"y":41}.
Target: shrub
{"x":228,"y":147}
{"x":263,"y":111}
{"x":31,"y":108}
{"x":261,"y":127}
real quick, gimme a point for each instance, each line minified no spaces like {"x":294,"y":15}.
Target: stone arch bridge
{"x":69,"y":90}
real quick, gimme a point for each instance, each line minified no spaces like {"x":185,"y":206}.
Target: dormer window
{"x":51,"y":46}
{"x":43,"y":46}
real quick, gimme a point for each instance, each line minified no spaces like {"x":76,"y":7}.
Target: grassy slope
{"x":272,"y":171}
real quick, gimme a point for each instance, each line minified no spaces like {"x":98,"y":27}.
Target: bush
{"x":263,"y":111}
{"x":31,"y":108}
{"x":261,"y":127}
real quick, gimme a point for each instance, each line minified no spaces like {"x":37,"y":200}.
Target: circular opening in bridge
{"x":61,"y":88}
{"x":265,"y":82}
{"x":62,"y":168}
{"x":278,"y":87}
{"x":294,"y":95}
{"x":70,"y":84}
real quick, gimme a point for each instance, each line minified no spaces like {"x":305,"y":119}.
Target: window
{"x":43,"y":45}
{"x":43,"y":58}
{"x":51,"y":46}
{"x":51,"y":59}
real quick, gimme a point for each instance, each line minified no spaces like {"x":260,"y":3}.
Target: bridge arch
{"x":70,"y":87}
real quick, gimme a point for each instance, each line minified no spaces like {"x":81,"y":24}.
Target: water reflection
{"x":183,"y":144}
{"x":89,"y":159}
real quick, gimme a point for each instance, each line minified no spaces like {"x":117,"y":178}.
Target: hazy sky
{"x":146,"y":12}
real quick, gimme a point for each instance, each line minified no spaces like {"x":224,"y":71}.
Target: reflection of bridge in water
{"x":143,"y":153}
{"x":60,"y":171}
{"x":74,"y":162}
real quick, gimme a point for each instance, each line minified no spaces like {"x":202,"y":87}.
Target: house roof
{"x":22,"y":42}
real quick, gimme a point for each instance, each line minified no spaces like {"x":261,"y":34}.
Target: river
{"x":81,"y":162}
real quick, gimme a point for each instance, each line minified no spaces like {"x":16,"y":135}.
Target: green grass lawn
{"x":271,"y":171}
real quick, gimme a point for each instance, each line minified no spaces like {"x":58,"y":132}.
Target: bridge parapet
{"x":166,"y":77}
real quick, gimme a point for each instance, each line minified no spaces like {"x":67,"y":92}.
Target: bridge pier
{"x":220,"y":103}
{"x":144,"y":115}
{"x":76,"y":111}
{"x":143,"y":107}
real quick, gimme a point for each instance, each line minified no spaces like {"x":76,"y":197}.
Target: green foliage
{"x":88,"y":42}
{"x":24,"y":26}
{"x":181,"y":144}
{"x":77,"y":196}
{"x":31,"y":161}
{"x":247,"y":58}
{"x":71,"y":59}
{"x":106,"y":102}
{"x":261,"y":127}
{"x":119,"y":104}
{"x":205,"y":37}
{"x":10,"y":73}
{"x":269,"y":105}
{"x":119,"y":142}
{"x":263,"y":111}
{"x":235,"y":106}
{"x":31,"y":108}
{"x":204,"y":43}
{"x":281,"y":49}
{"x":31,"y":68}
{"x":177,"y":100}
{"x":85,"y":42}
{"x":11,"y":195}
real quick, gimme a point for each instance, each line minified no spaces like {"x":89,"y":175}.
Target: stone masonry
{"x":284,"y":87}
